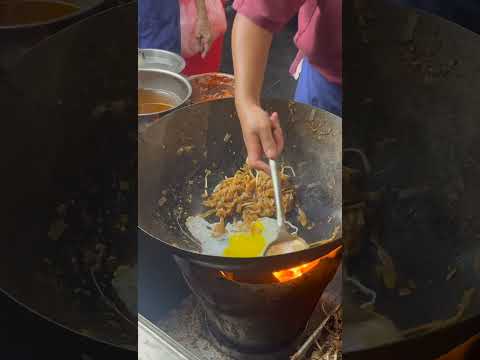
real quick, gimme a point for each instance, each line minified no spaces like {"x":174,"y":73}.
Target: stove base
{"x":222,"y":345}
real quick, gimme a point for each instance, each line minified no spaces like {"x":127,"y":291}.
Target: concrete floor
{"x":278,"y":81}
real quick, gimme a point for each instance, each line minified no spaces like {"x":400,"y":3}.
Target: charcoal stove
{"x":259,"y":314}
{"x":226,"y":315}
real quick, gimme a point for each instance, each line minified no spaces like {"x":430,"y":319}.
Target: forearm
{"x":201,"y":9}
{"x":250,"y":48}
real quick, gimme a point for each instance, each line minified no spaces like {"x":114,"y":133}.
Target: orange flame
{"x":227,"y":275}
{"x":282,"y":275}
{"x":295,"y":272}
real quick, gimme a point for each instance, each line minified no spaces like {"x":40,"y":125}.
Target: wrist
{"x":247,"y":102}
{"x":202,"y":16}
{"x":248,"y":110}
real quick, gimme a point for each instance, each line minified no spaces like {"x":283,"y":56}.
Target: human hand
{"x":203,"y":34}
{"x":262,"y":135}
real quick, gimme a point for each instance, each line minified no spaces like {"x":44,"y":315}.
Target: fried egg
{"x":234,"y":243}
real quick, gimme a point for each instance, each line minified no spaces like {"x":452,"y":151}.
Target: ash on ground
{"x":185,"y":325}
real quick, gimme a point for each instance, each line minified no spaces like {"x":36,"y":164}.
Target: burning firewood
{"x":331,"y":348}
{"x":328,"y":348}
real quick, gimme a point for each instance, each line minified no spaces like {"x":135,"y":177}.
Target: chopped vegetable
{"x":57,"y":229}
{"x":185,"y":150}
{"x":162,"y":201}
{"x":451,"y":273}
{"x":302,"y":217}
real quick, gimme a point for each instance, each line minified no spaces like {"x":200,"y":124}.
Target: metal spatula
{"x":285,"y":242}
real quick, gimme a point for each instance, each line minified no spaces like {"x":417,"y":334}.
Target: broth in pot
{"x":154,"y":101}
{"x":31,"y":12}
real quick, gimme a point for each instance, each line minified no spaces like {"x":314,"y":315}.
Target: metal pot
{"x":174,"y":88}
{"x":202,"y":128}
{"x":230,"y":76}
{"x":160,"y":60}
{"x":211,"y":86}
{"x":18,"y":39}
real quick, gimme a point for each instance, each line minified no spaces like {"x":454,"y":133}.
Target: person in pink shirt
{"x":318,"y":63}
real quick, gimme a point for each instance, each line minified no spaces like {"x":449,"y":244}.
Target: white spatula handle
{"x":277,"y":191}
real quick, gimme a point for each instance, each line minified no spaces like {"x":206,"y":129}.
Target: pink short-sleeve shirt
{"x":319,"y":36}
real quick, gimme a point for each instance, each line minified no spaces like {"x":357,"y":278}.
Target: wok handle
{"x":277,"y":190}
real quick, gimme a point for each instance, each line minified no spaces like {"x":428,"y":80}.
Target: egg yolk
{"x":248,"y":244}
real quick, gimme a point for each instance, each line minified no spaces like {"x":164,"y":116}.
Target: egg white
{"x":202,"y":230}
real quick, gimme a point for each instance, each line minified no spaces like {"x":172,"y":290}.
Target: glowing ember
{"x":227,"y":275}
{"x":288,"y":274}
{"x":282,"y":275}
{"x":295,"y":272}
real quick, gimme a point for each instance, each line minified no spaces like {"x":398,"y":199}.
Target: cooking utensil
{"x":285,"y":242}
{"x":157,"y":59}
{"x":67,"y":280}
{"x":175,"y":151}
{"x":417,"y":128}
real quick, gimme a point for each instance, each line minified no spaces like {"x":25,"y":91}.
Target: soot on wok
{"x":91,"y":235}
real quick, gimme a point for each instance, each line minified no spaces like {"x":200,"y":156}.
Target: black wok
{"x":313,"y":149}
{"x":17,"y":39}
{"x":412,"y":108}
{"x":70,"y":109}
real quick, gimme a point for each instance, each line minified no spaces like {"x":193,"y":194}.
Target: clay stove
{"x":259,"y":314}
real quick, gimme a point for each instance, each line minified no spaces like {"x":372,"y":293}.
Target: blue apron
{"x":159,"y":25}
{"x":313,"y":89}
